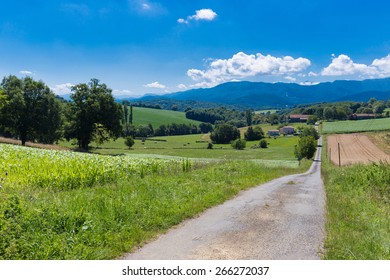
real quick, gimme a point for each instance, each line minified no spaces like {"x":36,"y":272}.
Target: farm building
{"x":362,"y":116}
{"x":273,"y":132}
{"x":298,"y":118}
{"x":287,"y":130}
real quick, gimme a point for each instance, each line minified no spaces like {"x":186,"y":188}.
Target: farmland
{"x":356,"y":126}
{"x":65,"y":205}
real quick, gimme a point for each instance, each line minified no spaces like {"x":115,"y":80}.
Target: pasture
{"x":156,"y":117}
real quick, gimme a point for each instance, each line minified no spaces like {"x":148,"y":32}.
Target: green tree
{"x":206,"y":127}
{"x":254,"y":133}
{"x":92,"y":104}
{"x":129,"y":142}
{"x":239,"y":144}
{"x":249,"y":117}
{"x":263,"y":144}
{"x":309,"y":131}
{"x":30,"y":110}
{"x":306,"y":147}
{"x":224,"y":134}
{"x":100,"y":134}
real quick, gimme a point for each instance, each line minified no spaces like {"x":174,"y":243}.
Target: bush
{"x":263,"y":144}
{"x":239,"y":144}
{"x":209,"y":146}
{"x":129,"y":141}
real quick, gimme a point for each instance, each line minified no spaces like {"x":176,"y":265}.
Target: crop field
{"x":66,"y":205}
{"x":356,"y":126}
{"x":156,"y":117}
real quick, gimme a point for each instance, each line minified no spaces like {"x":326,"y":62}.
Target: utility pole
{"x":338,"y":145}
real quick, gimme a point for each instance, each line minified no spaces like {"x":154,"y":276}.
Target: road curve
{"x":282,"y":219}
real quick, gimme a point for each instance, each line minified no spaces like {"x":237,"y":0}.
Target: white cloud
{"x":291,"y":79}
{"x":155,"y":85}
{"x":147,"y":7}
{"x":312,"y":74}
{"x":62,"y":89}
{"x":182,"y":86}
{"x":119,"y":92}
{"x":202,"y":14}
{"x":307,"y":83}
{"x":343,"y":65}
{"x":383,"y":66}
{"x":242,"y":65}
{"x":26,"y":72}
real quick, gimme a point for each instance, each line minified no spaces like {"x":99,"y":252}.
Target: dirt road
{"x":282,"y":219}
{"x":354,"y":148}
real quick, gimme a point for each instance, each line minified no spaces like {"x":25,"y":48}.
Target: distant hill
{"x":156,"y":117}
{"x":258,"y":95}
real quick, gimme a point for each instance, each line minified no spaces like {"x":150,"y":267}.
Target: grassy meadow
{"x":356,"y":126}
{"x":65,"y":205}
{"x":358,"y":211}
{"x":156,"y":117}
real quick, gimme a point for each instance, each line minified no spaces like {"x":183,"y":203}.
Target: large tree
{"x":224,"y":134}
{"x":29,"y":110}
{"x":93,"y":104}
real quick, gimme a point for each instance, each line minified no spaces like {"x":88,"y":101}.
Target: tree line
{"x":30,"y":111}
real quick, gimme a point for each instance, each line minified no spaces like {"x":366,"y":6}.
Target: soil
{"x":354,"y":148}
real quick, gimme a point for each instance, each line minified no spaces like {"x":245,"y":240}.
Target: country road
{"x":282,"y":219}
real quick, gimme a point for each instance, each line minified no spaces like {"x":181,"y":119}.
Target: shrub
{"x":239,"y":144}
{"x":254,"y":133}
{"x":306,"y":147}
{"x":263,"y":144}
{"x":209,"y":146}
{"x":129,"y":141}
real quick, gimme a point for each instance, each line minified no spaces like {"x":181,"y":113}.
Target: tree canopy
{"x":92,"y":104}
{"x":29,"y":110}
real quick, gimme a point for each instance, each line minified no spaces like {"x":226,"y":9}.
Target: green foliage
{"x":209,"y":146}
{"x":254,"y":133}
{"x":29,"y":110}
{"x":239,"y":144}
{"x":224,"y":134}
{"x":306,"y":147}
{"x":263,"y":144}
{"x":358,"y":208}
{"x":92,"y":104}
{"x":309,"y":131}
{"x":129,"y":142}
{"x":206,"y":127}
{"x":218,"y":116}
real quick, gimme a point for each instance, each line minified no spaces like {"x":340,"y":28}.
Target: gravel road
{"x":282,"y":219}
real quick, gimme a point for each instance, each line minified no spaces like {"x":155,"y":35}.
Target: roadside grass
{"x":358,"y":211}
{"x":356,"y":126}
{"x":156,"y":117}
{"x":44,"y":218}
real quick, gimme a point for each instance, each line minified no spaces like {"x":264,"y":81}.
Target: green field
{"x":356,"y":126}
{"x":156,"y":117}
{"x":66,"y":205}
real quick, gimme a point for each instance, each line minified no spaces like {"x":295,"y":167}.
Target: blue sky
{"x":159,"y":46}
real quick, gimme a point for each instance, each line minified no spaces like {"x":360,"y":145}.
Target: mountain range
{"x":259,"y":95}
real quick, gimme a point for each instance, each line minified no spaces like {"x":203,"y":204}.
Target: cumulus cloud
{"x":62,"y":89}
{"x":383,"y":66}
{"x":202,"y":14}
{"x":242,"y":65}
{"x":343,"y":65}
{"x":155,"y":85}
{"x":26,"y":72}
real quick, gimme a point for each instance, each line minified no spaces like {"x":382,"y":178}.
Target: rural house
{"x":273,"y":132}
{"x":287,"y":130}
{"x":362,"y":116}
{"x":298,"y":118}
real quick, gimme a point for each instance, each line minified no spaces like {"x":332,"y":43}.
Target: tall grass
{"x":358,"y":211}
{"x":102,"y":219}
